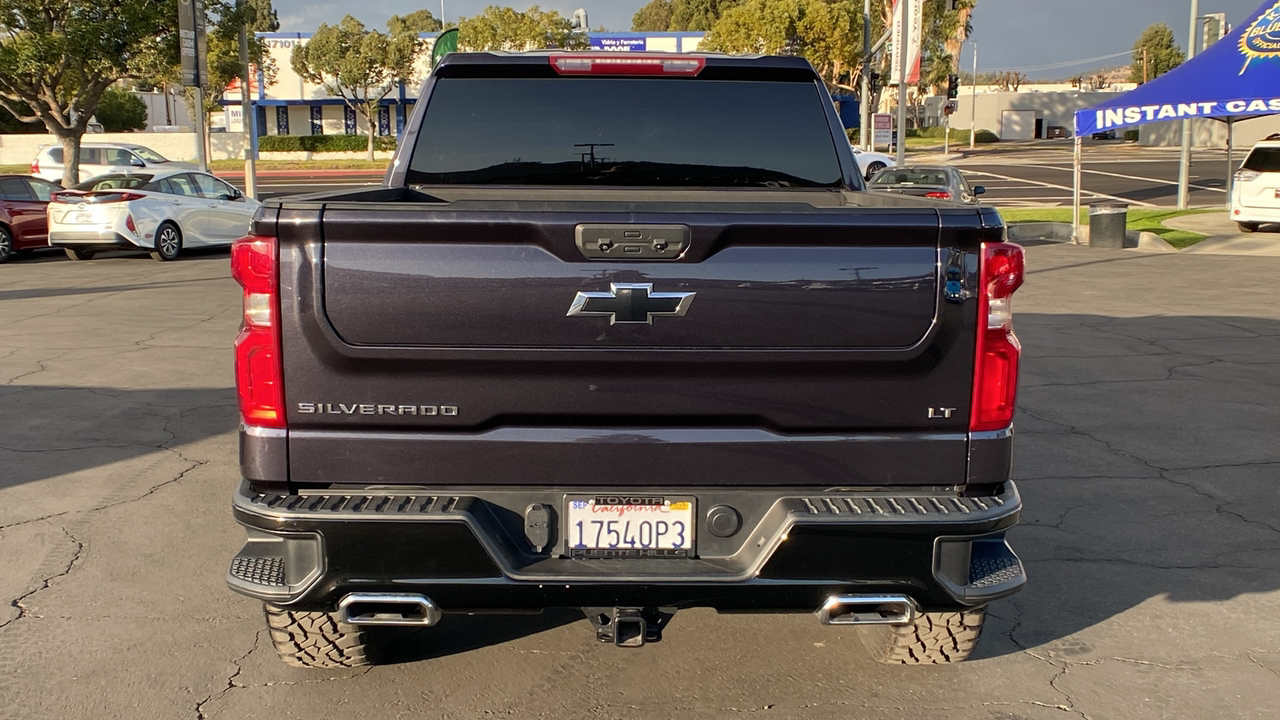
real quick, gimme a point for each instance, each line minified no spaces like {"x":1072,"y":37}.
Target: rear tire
{"x":6,"y":245}
{"x":168,"y":242}
{"x":1248,"y":227}
{"x":78,"y":254}
{"x":317,"y":639}
{"x":937,"y":638}
{"x":874,"y":168}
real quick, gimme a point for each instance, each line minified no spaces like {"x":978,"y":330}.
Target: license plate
{"x":630,"y":526}
{"x":82,"y":218}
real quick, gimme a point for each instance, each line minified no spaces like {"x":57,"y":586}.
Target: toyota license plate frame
{"x":629,"y":526}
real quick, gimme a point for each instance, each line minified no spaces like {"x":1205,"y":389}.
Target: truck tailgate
{"x":817,"y":346}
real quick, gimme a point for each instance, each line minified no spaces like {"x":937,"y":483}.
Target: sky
{"x":1011,"y":34}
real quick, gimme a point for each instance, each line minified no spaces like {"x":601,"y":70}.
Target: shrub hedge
{"x":323,"y":143}
{"x":1131,"y":135}
{"x":986,"y":136}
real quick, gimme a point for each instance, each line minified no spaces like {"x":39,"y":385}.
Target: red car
{"x":23,"y":203}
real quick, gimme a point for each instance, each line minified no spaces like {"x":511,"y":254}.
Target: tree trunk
{"x":70,"y":142}
{"x":371,"y":119}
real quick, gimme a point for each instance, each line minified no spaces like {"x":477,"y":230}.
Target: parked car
{"x":162,"y":212}
{"x":1057,"y":131}
{"x":1255,"y":196}
{"x":1104,"y":135}
{"x":938,"y":182}
{"x":102,"y":158}
{"x":23,"y":205}
{"x":871,"y":163}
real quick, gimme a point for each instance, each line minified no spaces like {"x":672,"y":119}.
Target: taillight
{"x":938,"y":195}
{"x":995,"y":373}
{"x":259,"y":374}
{"x":128,"y":222}
{"x":1247,"y":175}
{"x":35,"y":166}
{"x":614,"y":63}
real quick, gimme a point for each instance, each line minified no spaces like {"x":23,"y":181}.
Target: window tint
{"x":1263,"y":160}
{"x":114,"y":182}
{"x":91,"y":156}
{"x":183,"y":185}
{"x":625,"y":131}
{"x":210,"y":186}
{"x":117,"y":156}
{"x":42,"y":190}
{"x":55,"y":155}
{"x":13,"y":188}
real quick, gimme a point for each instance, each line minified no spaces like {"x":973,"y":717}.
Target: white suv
{"x":1255,"y":200}
{"x":102,"y":158}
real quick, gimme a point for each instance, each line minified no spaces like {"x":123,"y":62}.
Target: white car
{"x":103,"y":158}
{"x":871,"y":163}
{"x":1255,"y":199}
{"x":161,"y":212}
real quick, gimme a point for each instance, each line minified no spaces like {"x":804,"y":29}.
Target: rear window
{"x":1263,"y":160}
{"x":905,"y":176}
{"x":114,"y":182}
{"x":625,"y":131}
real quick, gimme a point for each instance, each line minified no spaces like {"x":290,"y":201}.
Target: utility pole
{"x":247,"y":119}
{"x":903,"y":52}
{"x":1145,"y":72}
{"x":865,"y":132}
{"x":973,"y":109}
{"x":1184,"y":166}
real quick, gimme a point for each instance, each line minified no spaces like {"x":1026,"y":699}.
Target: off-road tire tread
{"x":317,"y":639}
{"x":937,"y":638}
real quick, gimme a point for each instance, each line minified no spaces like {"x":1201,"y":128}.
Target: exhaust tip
{"x":868,"y":610}
{"x":388,"y":609}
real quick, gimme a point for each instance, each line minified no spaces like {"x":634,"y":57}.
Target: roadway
{"x":1015,"y":175}
{"x":1041,"y":174}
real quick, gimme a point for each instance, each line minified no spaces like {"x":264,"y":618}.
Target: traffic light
{"x":953,"y":87}
{"x":874,"y":83}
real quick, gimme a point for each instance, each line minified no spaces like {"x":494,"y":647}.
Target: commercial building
{"x":293,"y":106}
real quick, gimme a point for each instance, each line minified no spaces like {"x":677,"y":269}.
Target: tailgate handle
{"x":631,"y":242}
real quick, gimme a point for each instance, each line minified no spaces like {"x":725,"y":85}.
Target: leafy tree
{"x":680,"y":15}
{"x":60,"y":56}
{"x":653,"y":17}
{"x":9,"y":124}
{"x":1161,"y":52}
{"x":418,"y":21}
{"x":828,"y":34}
{"x":121,"y":111}
{"x":502,"y":28}
{"x":360,"y":66}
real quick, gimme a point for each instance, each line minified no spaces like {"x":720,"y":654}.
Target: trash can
{"x":1107,"y":222}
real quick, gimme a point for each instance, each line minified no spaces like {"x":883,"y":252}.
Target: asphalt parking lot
{"x":1147,"y":456}
{"x":1040,"y":173}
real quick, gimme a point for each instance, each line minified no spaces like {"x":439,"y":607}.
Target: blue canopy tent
{"x":1236,"y":78}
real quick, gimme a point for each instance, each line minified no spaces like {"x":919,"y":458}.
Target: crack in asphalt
{"x":231,"y":679}
{"x":25,"y":612}
{"x":1163,"y":472}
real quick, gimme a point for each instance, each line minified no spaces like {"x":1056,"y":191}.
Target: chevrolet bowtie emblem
{"x":631,"y":303}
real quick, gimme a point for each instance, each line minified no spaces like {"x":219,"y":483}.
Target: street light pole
{"x":246,"y":115}
{"x":1184,"y":166}
{"x":865,"y":131}
{"x":973,"y":109}
{"x":903,"y":40}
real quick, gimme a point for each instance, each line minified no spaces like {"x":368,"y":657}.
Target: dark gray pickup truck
{"x":624,"y":333}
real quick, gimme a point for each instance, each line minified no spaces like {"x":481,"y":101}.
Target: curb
{"x":1141,"y":241}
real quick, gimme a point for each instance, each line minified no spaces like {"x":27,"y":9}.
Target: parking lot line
{"x":1067,"y":188}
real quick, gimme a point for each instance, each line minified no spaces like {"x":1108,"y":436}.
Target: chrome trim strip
{"x":263,"y":432}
